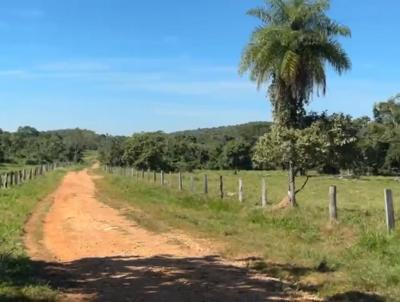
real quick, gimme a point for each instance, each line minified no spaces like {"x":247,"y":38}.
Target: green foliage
{"x":380,"y":139}
{"x":111,"y":150}
{"x":236,"y":154}
{"x":329,"y":141}
{"x":29,"y":146}
{"x":326,"y":143}
{"x":290,"y":50}
{"x":146,"y":151}
{"x":214,"y":148}
{"x":249,"y":132}
{"x":306,"y":146}
{"x":184,"y":153}
{"x":17,"y":276}
{"x":388,"y":113}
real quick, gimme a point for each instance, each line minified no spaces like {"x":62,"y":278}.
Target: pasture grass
{"x":90,"y":157}
{"x":17,"y":280}
{"x":355,"y":257}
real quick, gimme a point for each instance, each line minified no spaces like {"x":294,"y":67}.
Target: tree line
{"x":32,"y":147}
{"x":215,"y":148}
{"x":330,"y":144}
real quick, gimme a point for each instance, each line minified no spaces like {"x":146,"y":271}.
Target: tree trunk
{"x":292,"y":185}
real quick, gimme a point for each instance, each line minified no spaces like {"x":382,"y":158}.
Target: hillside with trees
{"x":329,"y":144}
{"x":28,"y":146}
{"x":228,"y":147}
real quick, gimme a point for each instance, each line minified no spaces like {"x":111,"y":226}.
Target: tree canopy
{"x":290,"y":51}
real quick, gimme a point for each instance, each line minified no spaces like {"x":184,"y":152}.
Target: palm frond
{"x":260,"y":13}
{"x":291,"y":48}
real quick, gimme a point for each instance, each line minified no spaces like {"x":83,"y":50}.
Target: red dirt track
{"x":92,"y":253}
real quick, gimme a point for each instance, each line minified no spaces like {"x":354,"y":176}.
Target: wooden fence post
{"x":221,"y":187}
{"x":192,"y":183}
{"x":162,"y":181}
{"x":16,"y":178}
{"x":263,"y":193}
{"x":154,"y":176}
{"x":205,"y":184}
{"x":333,"y":216}
{"x":180,"y":182}
{"x":240,"y":190}
{"x":390,"y":220}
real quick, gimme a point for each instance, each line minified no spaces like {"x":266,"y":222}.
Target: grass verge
{"x":17,"y":280}
{"x":348,"y":261}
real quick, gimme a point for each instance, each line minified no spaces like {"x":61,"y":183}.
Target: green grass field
{"x":17,"y":281}
{"x":356,"y":257}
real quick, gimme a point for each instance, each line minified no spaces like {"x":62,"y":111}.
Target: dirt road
{"x":92,"y":253}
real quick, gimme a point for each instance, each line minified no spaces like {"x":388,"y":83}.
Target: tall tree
{"x":289,"y":51}
{"x":387,"y":118}
{"x":147,"y":151}
{"x":388,"y":113}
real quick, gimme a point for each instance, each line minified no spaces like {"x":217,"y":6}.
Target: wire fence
{"x":214,"y":185}
{"x":17,"y":177}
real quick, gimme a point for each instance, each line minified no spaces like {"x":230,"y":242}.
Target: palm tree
{"x":289,"y":52}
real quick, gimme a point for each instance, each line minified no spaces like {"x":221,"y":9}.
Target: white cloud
{"x":135,"y":75}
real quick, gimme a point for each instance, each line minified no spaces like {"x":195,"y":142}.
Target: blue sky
{"x":123,"y":66}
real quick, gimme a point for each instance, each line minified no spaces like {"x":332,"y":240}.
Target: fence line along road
{"x":332,"y":207}
{"x":14,"y":178}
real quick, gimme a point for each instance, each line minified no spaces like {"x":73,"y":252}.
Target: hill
{"x":249,"y":132}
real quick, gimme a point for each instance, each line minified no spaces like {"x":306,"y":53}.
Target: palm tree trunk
{"x":292,"y":185}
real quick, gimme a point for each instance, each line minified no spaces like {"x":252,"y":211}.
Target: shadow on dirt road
{"x":164,"y":278}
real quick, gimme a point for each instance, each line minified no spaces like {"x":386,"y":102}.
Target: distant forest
{"x":361,"y":145}
{"x":28,"y":146}
{"x":357,"y":145}
{"x":227,"y":147}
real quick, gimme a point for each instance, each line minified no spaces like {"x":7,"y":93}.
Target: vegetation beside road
{"x":17,"y":277}
{"x":356,"y":255}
